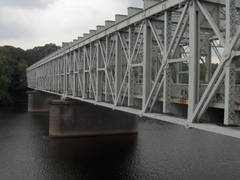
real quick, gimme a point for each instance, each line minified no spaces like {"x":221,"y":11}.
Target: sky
{"x":30,"y":23}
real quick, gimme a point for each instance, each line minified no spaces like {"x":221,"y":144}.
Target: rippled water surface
{"x":159,"y":151}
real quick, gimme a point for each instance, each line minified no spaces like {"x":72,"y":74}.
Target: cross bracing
{"x":139,"y":62}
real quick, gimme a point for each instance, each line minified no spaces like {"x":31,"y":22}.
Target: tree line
{"x":13,"y":64}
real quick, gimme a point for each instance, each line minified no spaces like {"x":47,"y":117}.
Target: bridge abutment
{"x":73,"y":118}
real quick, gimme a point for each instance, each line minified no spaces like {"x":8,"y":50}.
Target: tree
{"x":37,"y":53}
{"x":13,"y":64}
{"x":6,"y":72}
{"x":13,"y":82}
{"x":22,"y":66}
{"x":16,"y":53}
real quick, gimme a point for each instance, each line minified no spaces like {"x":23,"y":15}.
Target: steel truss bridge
{"x":148,"y":62}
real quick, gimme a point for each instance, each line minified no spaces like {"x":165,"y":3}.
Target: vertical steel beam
{"x":78,"y":69}
{"x":90,"y":71}
{"x":84,"y":74}
{"x":65,"y":75}
{"x":208,"y":74}
{"x":39,"y":75}
{"x":59,"y":73}
{"x":178,"y":66}
{"x":59,"y":76}
{"x":230,"y":20}
{"x":147,"y":61}
{"x":36,"y":77}
{"x":131,"y":43}
{"x":56,"y":76}
{"x":74,"y":76}
{"x":99,"y":75}
{"x":53,"y":76}
{"x":118,"y":68}
{"x":80,"y":72}
{"x":167,"y":69}
{"x":229,"y":110}
{"x":107,"y":72}
{"x":194,"y":31}
{"x":43,"y":76}
{"x":67,"y":69}
{"x":49,"y":75}
{"x":46,"y":76}
{"x":178,"y":70}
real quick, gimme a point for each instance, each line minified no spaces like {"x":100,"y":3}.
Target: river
{"x":160,"y":150}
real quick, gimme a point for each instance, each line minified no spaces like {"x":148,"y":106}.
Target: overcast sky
{"x":30,"y":23}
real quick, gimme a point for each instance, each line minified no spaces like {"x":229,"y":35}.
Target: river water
{"x":160,"y":150}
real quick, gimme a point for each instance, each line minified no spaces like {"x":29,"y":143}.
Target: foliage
{"x":6,"y":75}
{"x":13,"y":64}
{"x":16,"y":53}
{"x":48,"y":100}
{"x":185,"y":75}
{"x":37,"y":53}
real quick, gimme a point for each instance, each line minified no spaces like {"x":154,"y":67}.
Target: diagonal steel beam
{"x":211,"y":22}
{"x":227,"y":57}
{"x":164,"y":62}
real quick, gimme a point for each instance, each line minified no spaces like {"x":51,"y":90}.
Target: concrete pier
{"x":37,"y":101}
{"x":72,"y":118}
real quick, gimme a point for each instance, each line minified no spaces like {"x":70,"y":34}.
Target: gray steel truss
{"x":138,"y":62}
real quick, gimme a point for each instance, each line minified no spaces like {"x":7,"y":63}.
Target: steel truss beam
{"x":138,"y":63}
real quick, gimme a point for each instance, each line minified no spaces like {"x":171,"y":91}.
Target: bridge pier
{"x":37,"y":101}
{"x":73,"y":118}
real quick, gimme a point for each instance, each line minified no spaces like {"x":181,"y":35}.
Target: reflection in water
{"x":159,"y":151}
{"x":92,"y":157}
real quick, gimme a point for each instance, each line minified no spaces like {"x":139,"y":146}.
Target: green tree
{"x":13,"y":64}
{"x":16,"y":53}
{"x":13,"y":82}
{"x":22,"y":66}
{"x":6,"y":72}
{"x":37,"y":53}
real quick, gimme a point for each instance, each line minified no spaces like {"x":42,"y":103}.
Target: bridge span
{"x":155,"y":62}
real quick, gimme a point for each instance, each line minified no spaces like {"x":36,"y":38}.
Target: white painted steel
{"x":138,"y":62}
